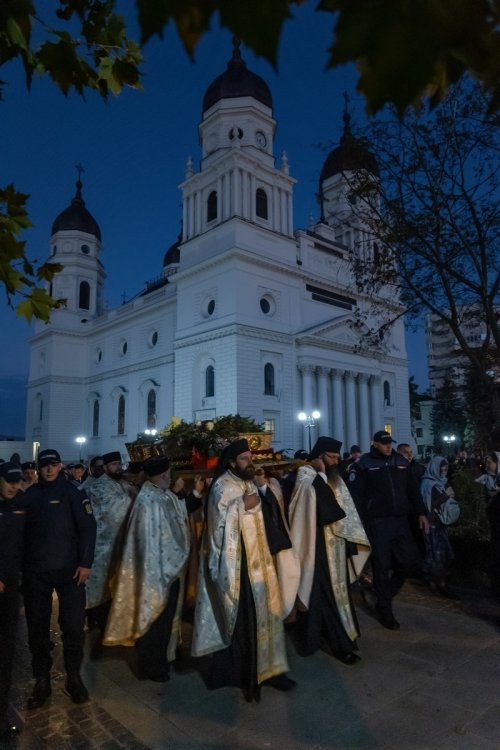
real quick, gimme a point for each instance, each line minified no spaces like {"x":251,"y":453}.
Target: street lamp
{"x":309,"y":422}
{"x":449,"y":440}
{"x":80,"y":440}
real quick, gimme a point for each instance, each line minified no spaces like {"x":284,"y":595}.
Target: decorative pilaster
{"x":376,"y":404}
{"x":322,"y":374}
{"x":350,"y":393}
{"x":338,"y":406}
{"x":364,"y":412}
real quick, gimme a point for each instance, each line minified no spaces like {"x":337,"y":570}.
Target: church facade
{"x":248,"y":315}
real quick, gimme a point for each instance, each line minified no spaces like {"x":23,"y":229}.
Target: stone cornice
{"x":234,"y":329}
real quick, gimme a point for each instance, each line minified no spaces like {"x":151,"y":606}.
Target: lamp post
{"x":309,"y":422}
{"x":449,"y":440}
{"x":80,"y":440}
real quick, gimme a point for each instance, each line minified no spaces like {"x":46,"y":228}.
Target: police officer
{"x":30,"y":475}
{"x":11,"y":545}
{"x":60,"y":541}
{"x":386,"y":495}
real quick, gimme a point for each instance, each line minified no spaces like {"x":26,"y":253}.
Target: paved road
{"x":433,"y":685}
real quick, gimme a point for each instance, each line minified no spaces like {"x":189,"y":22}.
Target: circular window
{"x":267,"y":304}
{"x":123,"y":347}
{"x":211,"y":307}
{"x":98,"y":355}
{"x":153,"y":338}
{"x":85,"y":249}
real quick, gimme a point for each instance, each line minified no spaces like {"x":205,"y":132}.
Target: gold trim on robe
{"x":227,"y":525}
{"x":154,"y":555}
{"x":348,"y":529}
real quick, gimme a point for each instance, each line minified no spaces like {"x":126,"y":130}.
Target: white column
{"x":252,"y":197}
{"x":290,"y":214}
{"x":227,"y":195}
{"x":275,"y":209}
{"x":191,"y":216}
{"x":307,"y":371}
{"x":283,"y":227}
{"x":364,"y":413}
{"x":376,"y":405}
{"x":236,"y":192}
{"x":246,"y":203}
{"x":324,"y":420}
{"x":198,"y":210}
{"x":350,"y":392}
{"x":338,"y":406}
{"x":184,"y":219}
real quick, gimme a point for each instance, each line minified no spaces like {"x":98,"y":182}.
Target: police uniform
{"x":12,"y":520}
{"x":60,"y":537}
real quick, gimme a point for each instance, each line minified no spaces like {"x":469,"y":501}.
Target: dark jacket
{"x":12,"y":519}
{"x":384,"y":486}
{"x":60,"y":527}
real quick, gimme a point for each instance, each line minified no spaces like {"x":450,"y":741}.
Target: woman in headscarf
{"x":491,"y":482}
{"x":439,"y":553}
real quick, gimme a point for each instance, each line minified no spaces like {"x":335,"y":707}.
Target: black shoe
{"x":252,"y":694}
{"x":443,"y":590}
{"x":280,"y":682}
{"x":388,"y":620}
{"x":8,"y":732}
{"x":349,"y":659}
{"x":76,"y":689}
{"x":41,"y":692}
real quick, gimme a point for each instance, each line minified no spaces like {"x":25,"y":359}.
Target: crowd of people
{"x":248,"y":554}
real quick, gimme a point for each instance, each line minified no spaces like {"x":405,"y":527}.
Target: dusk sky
{"x":134,"y":151}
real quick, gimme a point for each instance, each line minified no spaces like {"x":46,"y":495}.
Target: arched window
{"x":209,"y":382}
{"x":121,"y":415}
{"x":95,"y":419}
{"x":269,"y":379}
{"x":84,"y":298}
{"x":212,"y":206}
{"x":40,"y":413}
{"x":261,"y":203}
{"x":387,"y":393}
{"x":151,"y":417}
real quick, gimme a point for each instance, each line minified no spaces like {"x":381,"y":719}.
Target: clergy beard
{"x":332,"y":472}
{"x":246,"y":474}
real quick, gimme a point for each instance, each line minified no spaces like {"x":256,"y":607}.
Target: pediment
{"x":343,"y":331}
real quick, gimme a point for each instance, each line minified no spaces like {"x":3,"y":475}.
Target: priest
{"x":147,"y":601}
{"x":332,"y":548}
{"x":239,"y":609}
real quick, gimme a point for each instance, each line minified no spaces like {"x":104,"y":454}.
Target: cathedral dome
{"x":237,"y":81}
{"x":351,"y":155}
{"x":76,"y":216}
{"x":173,"y":254}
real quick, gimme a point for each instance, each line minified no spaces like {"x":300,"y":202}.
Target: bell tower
{"x":75,"y":242}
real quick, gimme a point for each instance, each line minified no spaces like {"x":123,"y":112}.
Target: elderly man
{"x":111,"y":503}
{"x":11,"y":547}
{"x":148,"y":596}
{"x":387,"y":495}
{"x":332,"y":547}
{"x":59,"y":551}
{"x":239,"y":610}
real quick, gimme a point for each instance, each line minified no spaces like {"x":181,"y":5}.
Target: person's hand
{"x":423,"y":523}
{"x":199,"y":484}
{"x":81,"y":574}
{"x":178,"y":485}
{"x":259,"y":479}
{"x":318,"y":465}
{"x":251,"y":500}
{"x":2,"y":587}
{"x":450,"y":491}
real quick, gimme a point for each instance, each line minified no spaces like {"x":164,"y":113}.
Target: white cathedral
{"x":247,"y":315}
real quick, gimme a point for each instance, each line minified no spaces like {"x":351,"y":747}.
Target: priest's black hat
{"x":156,"y":465}
{"x":109,"y":458}
{"x":230,"y":451}
{"x":325,"y":444}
